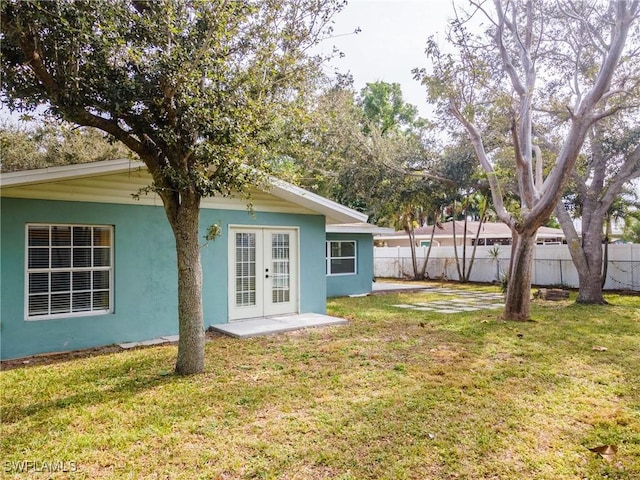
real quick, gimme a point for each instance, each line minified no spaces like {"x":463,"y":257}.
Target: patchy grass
{"x":398,"y":394}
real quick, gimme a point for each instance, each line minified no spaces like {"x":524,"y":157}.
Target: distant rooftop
{"x":488,"y":230}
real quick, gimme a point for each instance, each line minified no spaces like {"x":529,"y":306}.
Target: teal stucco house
{"x":84,"y":264}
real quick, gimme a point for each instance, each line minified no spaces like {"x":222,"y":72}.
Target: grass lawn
{"x":396,"y":394}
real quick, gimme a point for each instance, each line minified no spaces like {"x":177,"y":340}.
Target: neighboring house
{"x":84,"y":264}
{"x":490,"y":234}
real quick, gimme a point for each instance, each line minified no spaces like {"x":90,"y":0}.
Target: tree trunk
{"x":605,"y":260}
{"x":590,"y":273}
{"x":455,"y":249}
{"x":185,"y":224}
{"x":605,"y":264}
{"x":426,"y":258}
{"x":590,"y":292}
{"x":464,"y":278}
{"x":518,"y":301}
{"x":475,"y":246}
{"x":412,"y":246}
{"x":586,"y":252}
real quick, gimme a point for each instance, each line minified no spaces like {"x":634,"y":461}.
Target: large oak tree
{"x":190,"y":87}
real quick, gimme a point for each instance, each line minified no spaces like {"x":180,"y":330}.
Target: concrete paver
{"x":464,"y":301}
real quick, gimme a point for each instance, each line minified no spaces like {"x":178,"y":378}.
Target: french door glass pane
{"x":245,"y":269}
{"x":280,"y":254}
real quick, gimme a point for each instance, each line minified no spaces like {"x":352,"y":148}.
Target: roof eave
{"x":68,"y":172}
{"x":333,"y":211}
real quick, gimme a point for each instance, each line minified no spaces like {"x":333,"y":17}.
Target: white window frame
{"x":329,"y":258}
{"x":71,"y":268}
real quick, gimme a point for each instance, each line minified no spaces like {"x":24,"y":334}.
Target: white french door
{"x":263,"y":272}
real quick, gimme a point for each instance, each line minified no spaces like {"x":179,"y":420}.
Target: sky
{"x":391,"y":41}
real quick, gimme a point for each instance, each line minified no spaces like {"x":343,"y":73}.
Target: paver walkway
{"x":463,"y":301}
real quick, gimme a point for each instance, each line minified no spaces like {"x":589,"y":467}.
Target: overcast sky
{"x":391,"y":42}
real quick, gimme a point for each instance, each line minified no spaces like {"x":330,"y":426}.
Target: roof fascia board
{"x":315,"y":202}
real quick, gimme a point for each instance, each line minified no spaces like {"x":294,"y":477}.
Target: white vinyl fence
{"x":552,"y":265}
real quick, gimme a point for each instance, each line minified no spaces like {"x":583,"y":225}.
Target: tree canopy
{"x":192,"y":88}
{"x":47,"y":144}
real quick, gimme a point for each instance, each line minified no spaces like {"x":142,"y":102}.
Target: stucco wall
{"x":145,"y":273}
{"x":342,"y":285}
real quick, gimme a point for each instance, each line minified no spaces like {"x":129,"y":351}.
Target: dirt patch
{"x":61,"y":357}
{"x":51,"y":358}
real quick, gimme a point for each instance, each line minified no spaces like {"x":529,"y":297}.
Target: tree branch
{"x":629,"y":170}
{"x":506,"y":60}
{"x":522,"y":168}
{"x":574,"y":242}
{"x":496,"y":190}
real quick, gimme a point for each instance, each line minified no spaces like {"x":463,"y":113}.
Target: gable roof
{"x":333,"y":211}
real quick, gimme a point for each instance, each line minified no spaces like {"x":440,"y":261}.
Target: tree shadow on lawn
{"x":92,"y":384}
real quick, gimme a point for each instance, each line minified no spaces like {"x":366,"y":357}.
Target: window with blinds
{"x":69,"y":270}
